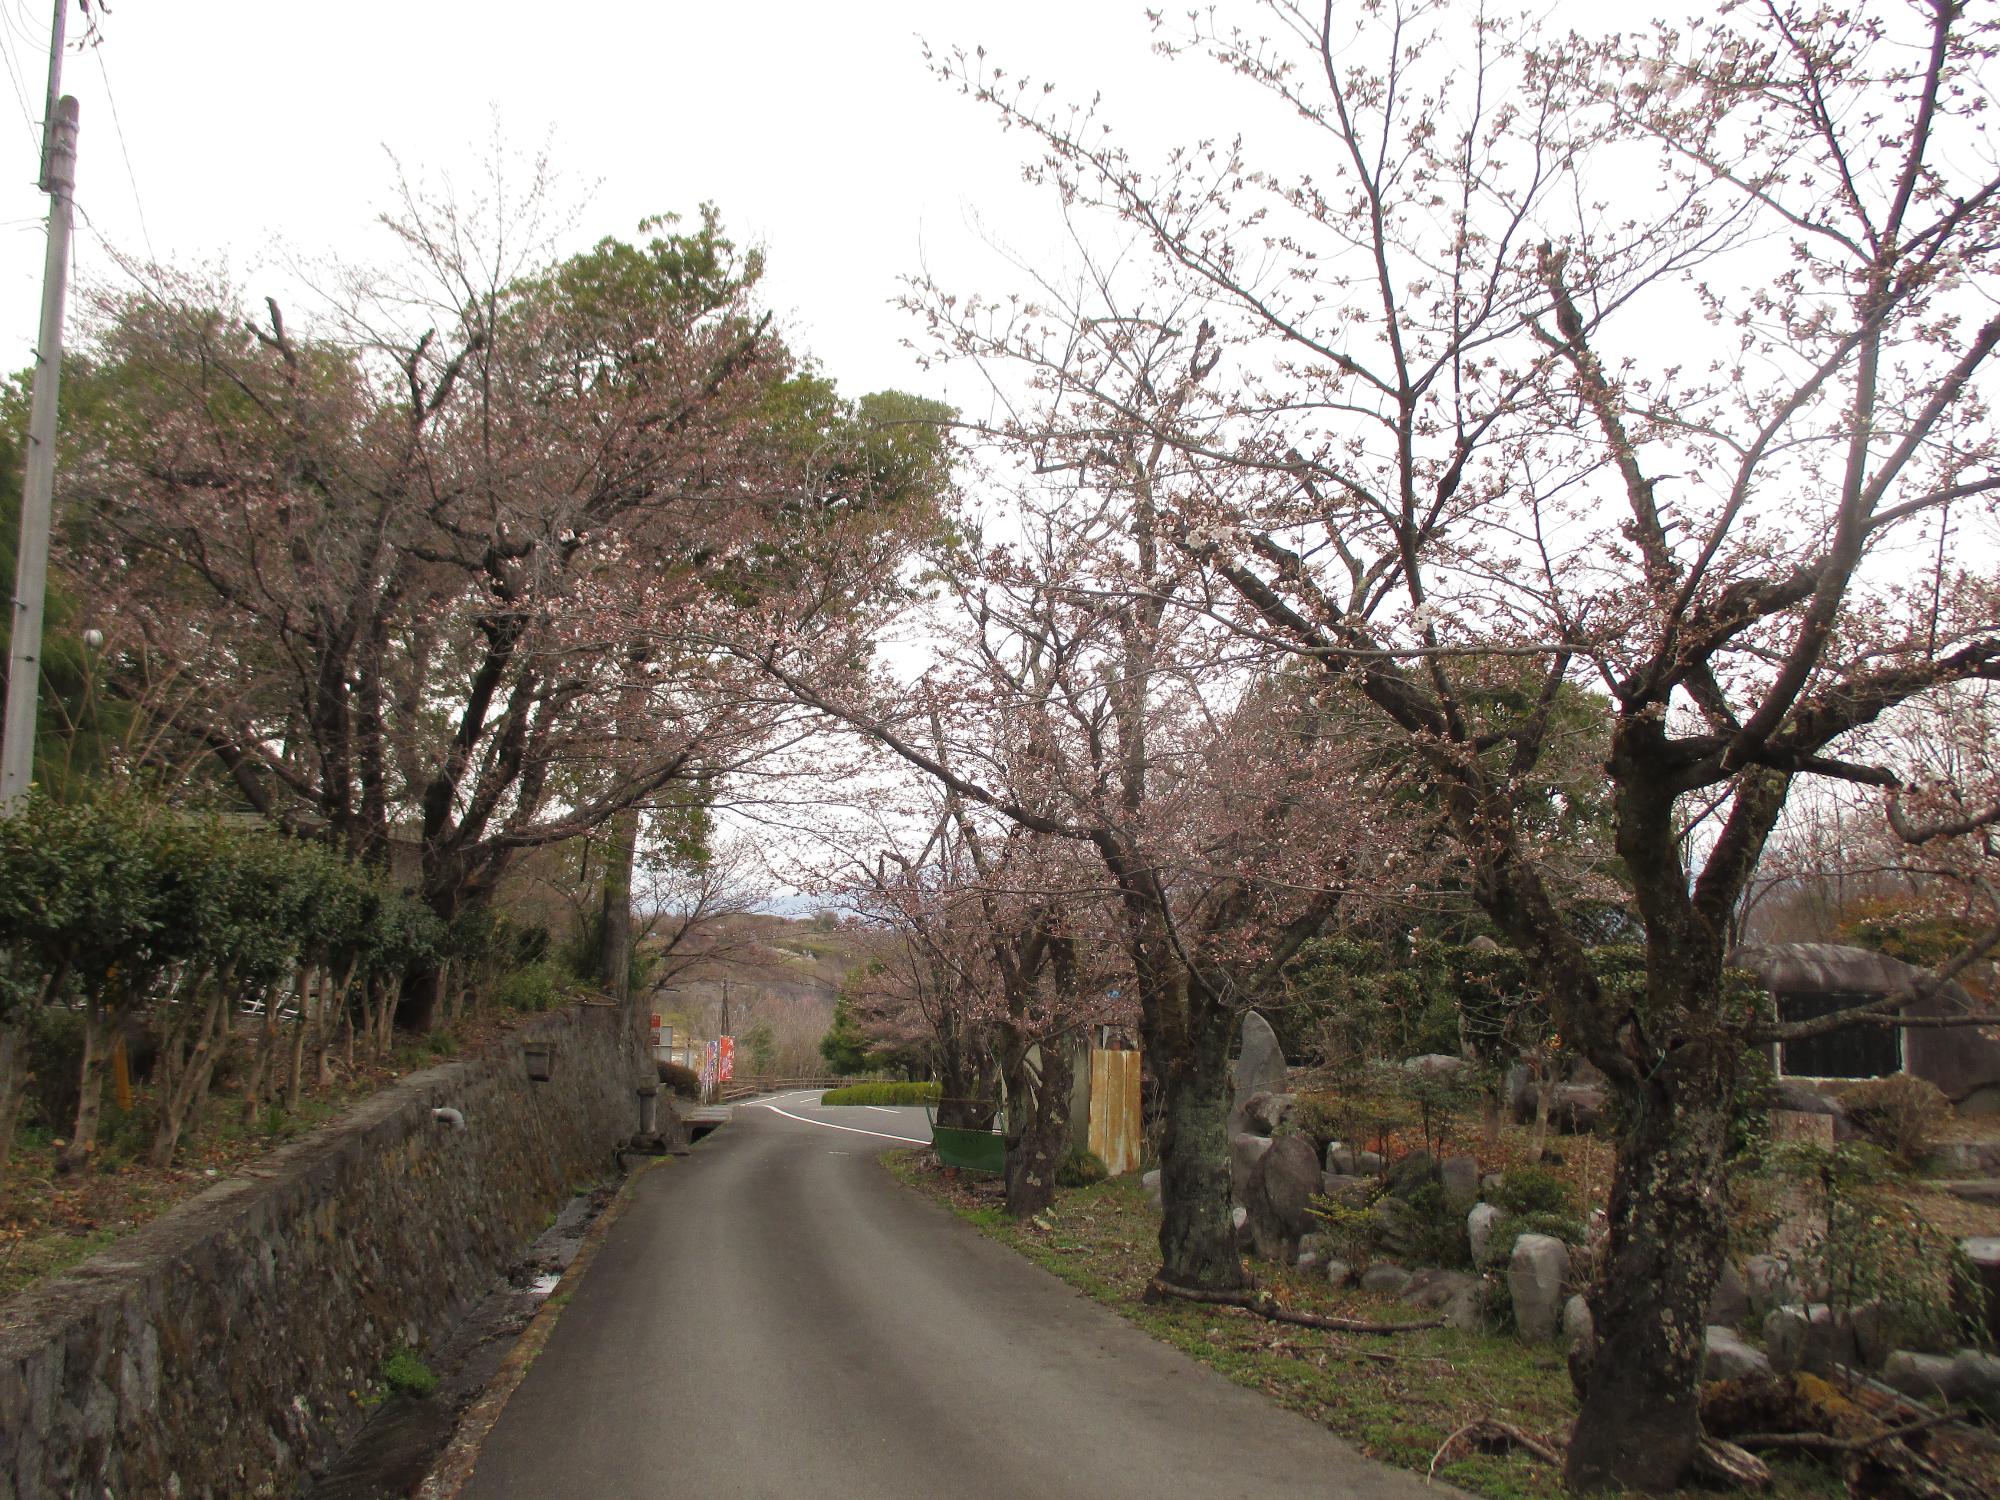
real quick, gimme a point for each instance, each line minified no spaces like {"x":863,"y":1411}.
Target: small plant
{"x":884,"y":1093}
{"x":405,"y":1373}
{"x":1531,"y":1190}
{"x":1080,"y":1168}
{"x":1867,"y":1248}
{"x":1901,"y":1114}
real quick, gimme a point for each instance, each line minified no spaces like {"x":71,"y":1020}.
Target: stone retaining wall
{"x":221,"y":1349}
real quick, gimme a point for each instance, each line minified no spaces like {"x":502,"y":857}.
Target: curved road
{"x":775,"y":1316}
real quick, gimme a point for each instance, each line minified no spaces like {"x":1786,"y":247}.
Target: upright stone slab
{"x":1259,"y":1070}
{"x":1535,"y":1275}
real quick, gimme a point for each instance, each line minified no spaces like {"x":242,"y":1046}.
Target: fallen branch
{"x":1819,"y":1442}
{"x":1721,"y":1462}
{"x":1492,"y":1429}
{"x":1264,"y":1306}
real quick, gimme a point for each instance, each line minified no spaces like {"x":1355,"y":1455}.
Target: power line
{"x":21,"y":96}
{"x":131,"y":177}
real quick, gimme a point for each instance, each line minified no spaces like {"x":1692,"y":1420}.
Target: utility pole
{"x":24,"y":654}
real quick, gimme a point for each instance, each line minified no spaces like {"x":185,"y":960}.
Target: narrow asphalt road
{"x":775,"y":1316}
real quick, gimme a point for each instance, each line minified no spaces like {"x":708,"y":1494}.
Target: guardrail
{"x":743,"y":1088}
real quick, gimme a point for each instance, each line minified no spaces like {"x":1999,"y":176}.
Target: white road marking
{"x":909,"y":1140}
{"x":881,"y":1109}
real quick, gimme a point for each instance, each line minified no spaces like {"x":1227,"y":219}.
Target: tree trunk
{"x":295,"y":1080}
{"x":1640,"y":1423}
{"x":614,"y":928}
{"x":1037,"y":1124}
{"x":186,"y":1058}
{"x":13,"y":1082}
{"x":1197,"y":1237}
{"x":97,"y":1029}
{"x":1545,"y":1088}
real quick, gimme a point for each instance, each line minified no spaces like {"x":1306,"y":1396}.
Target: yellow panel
{"x":1114,"y":1109}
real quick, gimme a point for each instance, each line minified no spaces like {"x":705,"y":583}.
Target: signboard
{"x":726,"y":1058}
{"x":654,"y":1025}
{"x":711,"y":1059}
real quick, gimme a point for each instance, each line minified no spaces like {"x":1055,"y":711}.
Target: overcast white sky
{"x":219,"y":130}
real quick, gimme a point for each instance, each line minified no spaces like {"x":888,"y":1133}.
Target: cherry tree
{"x":437,"y":570}
{"x":1654,"y":364}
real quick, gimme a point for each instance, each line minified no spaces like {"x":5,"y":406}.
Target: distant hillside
{"x":782,"y":972}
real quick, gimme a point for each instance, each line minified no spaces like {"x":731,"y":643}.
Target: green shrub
{"x":683,"y":1080}
{"x":884,"y":1093}
{"x":1531,"y":1190}
{"x":404,"y":1372}
{"x":1080,"y":1168}
{"x":1428,"y":1227}
{"x":537,"y":987}
{"x":1902,"y":1115}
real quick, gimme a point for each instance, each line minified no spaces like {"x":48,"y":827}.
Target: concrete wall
{"x":219,"y":1350}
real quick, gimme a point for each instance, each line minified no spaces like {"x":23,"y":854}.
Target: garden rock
{"x":1386,"y":1278}
{"x":1967,"y":1158}
{"x":1577,"y":1108}
{"x":1282,"y":1184}
{"x":1461,"y":1178}
{"x":1977,"y":1377}
{"x":1245,"y":1151}
{"x":1729,"y":1304}
{"x":1928,"y":1377}
{"x":1727,"y":1357}
{"x":1315,"y":1250}
{"x":1151,"y":1182}
{"x":1479,"y":1229}
{"x":1812,"y":1338}
{"x":1983,"y":1252}
{"x":1264,"y":1113}
{"x":1789,"y":1093}
{"x":1339,"y":1273}
{"x":1453,"y":1294}
{"x":1535,"y":1275}
{"x":1977,"y":1190}
{"x":1438,"y":1066}
{"x":1261,"y":1067}
{"x":1579,"y":1340}
{"x":1349,"y":1162}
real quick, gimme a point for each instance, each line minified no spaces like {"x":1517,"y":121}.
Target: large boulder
{"x":1977,"y":1377}
{"x":1260,"y":1069}
{"x":1385,"y":1278}
{"x":1264,"y":1113}
{"x":1928,"y":1377}
{"x":1282,"y":1185}
{"x":1727,"y":1357}
{"x":1535,"y":1275}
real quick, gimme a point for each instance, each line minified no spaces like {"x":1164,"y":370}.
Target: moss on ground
{"x":1395,"y":1398}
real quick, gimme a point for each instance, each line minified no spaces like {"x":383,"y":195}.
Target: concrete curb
{"x":454,"y":1466}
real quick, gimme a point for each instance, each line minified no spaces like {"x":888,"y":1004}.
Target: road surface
{"x":775,"y":1316}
